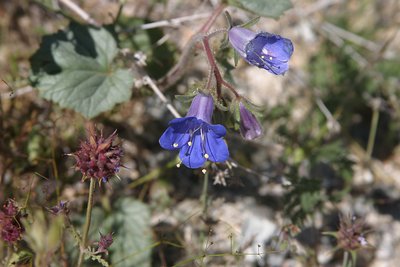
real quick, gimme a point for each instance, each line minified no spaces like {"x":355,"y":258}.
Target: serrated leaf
{"x":264,"y":8}
{"x":130,"y":223}
{"x":75,"y":69}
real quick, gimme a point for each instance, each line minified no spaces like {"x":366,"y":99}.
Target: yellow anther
{"x":206,"y":156}
{"x":189,"y":143}
{"x":204,"y":171}
{"x":175,"y":145}
{"x":178,"y":165}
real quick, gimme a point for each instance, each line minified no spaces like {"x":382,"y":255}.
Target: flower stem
{"x":204,"y":196}
{"x":175,"y":73}
{"x":372,"y":132}
{"x":87,"y":223}
{"x":214,"y":68}
{"x":345,"y":259}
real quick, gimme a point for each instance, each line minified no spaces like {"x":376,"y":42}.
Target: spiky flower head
{"x":98,"y":158}
{"x":350,"y":235}
{"x":104,"y":243}
{"x":10,"y":225}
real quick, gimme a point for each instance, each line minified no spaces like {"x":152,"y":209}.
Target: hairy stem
{"x":345,"y":259}
{"x":214,"y":68}
{"x":86,"y":227}
{"x":204,"y":196}
{"x":179,"y":69}
{"x":372,"y":132}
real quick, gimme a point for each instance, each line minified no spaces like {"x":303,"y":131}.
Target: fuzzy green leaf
{"x":264,"y":8}
{"x":132,"y":233}
{"x":75,"y":69}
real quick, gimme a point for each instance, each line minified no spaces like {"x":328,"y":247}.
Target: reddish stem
{"x":214,"y":68}
{"x":206,"y":27}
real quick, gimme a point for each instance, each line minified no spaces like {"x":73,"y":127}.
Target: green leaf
{"x":264,"y":8}
{"x":75,"y":69}
{"x":130,"y":223}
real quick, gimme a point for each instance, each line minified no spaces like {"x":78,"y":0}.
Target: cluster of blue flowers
{"x":194,"y":135}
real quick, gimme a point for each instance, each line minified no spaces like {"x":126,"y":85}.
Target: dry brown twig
{"x":78,"y":11}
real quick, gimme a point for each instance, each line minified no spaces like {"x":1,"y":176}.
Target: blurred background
{"x":330,"y":146}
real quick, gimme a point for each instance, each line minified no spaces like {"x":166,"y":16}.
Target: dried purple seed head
{"x":10,"y":208}
{"x":350,"y":235}
{"x":97,"y":157}
{"x":104,"y":243}
{"x":10,"y":225}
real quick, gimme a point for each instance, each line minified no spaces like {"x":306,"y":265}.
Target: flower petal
{"x":270,"y":51}
{"x":216,"y":147}
{"x":192,"y":156}
{"x":239,"y":38}
{"x":177,"y":134}
{"x":218,"y":129}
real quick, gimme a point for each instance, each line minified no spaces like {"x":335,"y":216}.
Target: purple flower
{"x":250,"y":128}
{"x":264,"y":50}
{"x":195,"y":136}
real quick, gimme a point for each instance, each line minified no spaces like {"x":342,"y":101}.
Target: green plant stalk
{"x":204,"y":196}
{"x":86,"y":227}
{"x":372,"y":133}
{"x":345,"y":259}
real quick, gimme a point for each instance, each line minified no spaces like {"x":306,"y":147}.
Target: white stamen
{"x":175,"y":145}
{"x":270,"y":58}
{"x":206,"y":156}
{"x":204,"y":171}
{"x":190,"y":143}
{"x":262,"y":57}
{"x":178,"y":165}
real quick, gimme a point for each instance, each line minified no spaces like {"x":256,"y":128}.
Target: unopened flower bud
{"x":250,"y":128}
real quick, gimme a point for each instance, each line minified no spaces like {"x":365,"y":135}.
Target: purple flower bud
{"x":250,"y":128}
{"x":264,"y":50}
